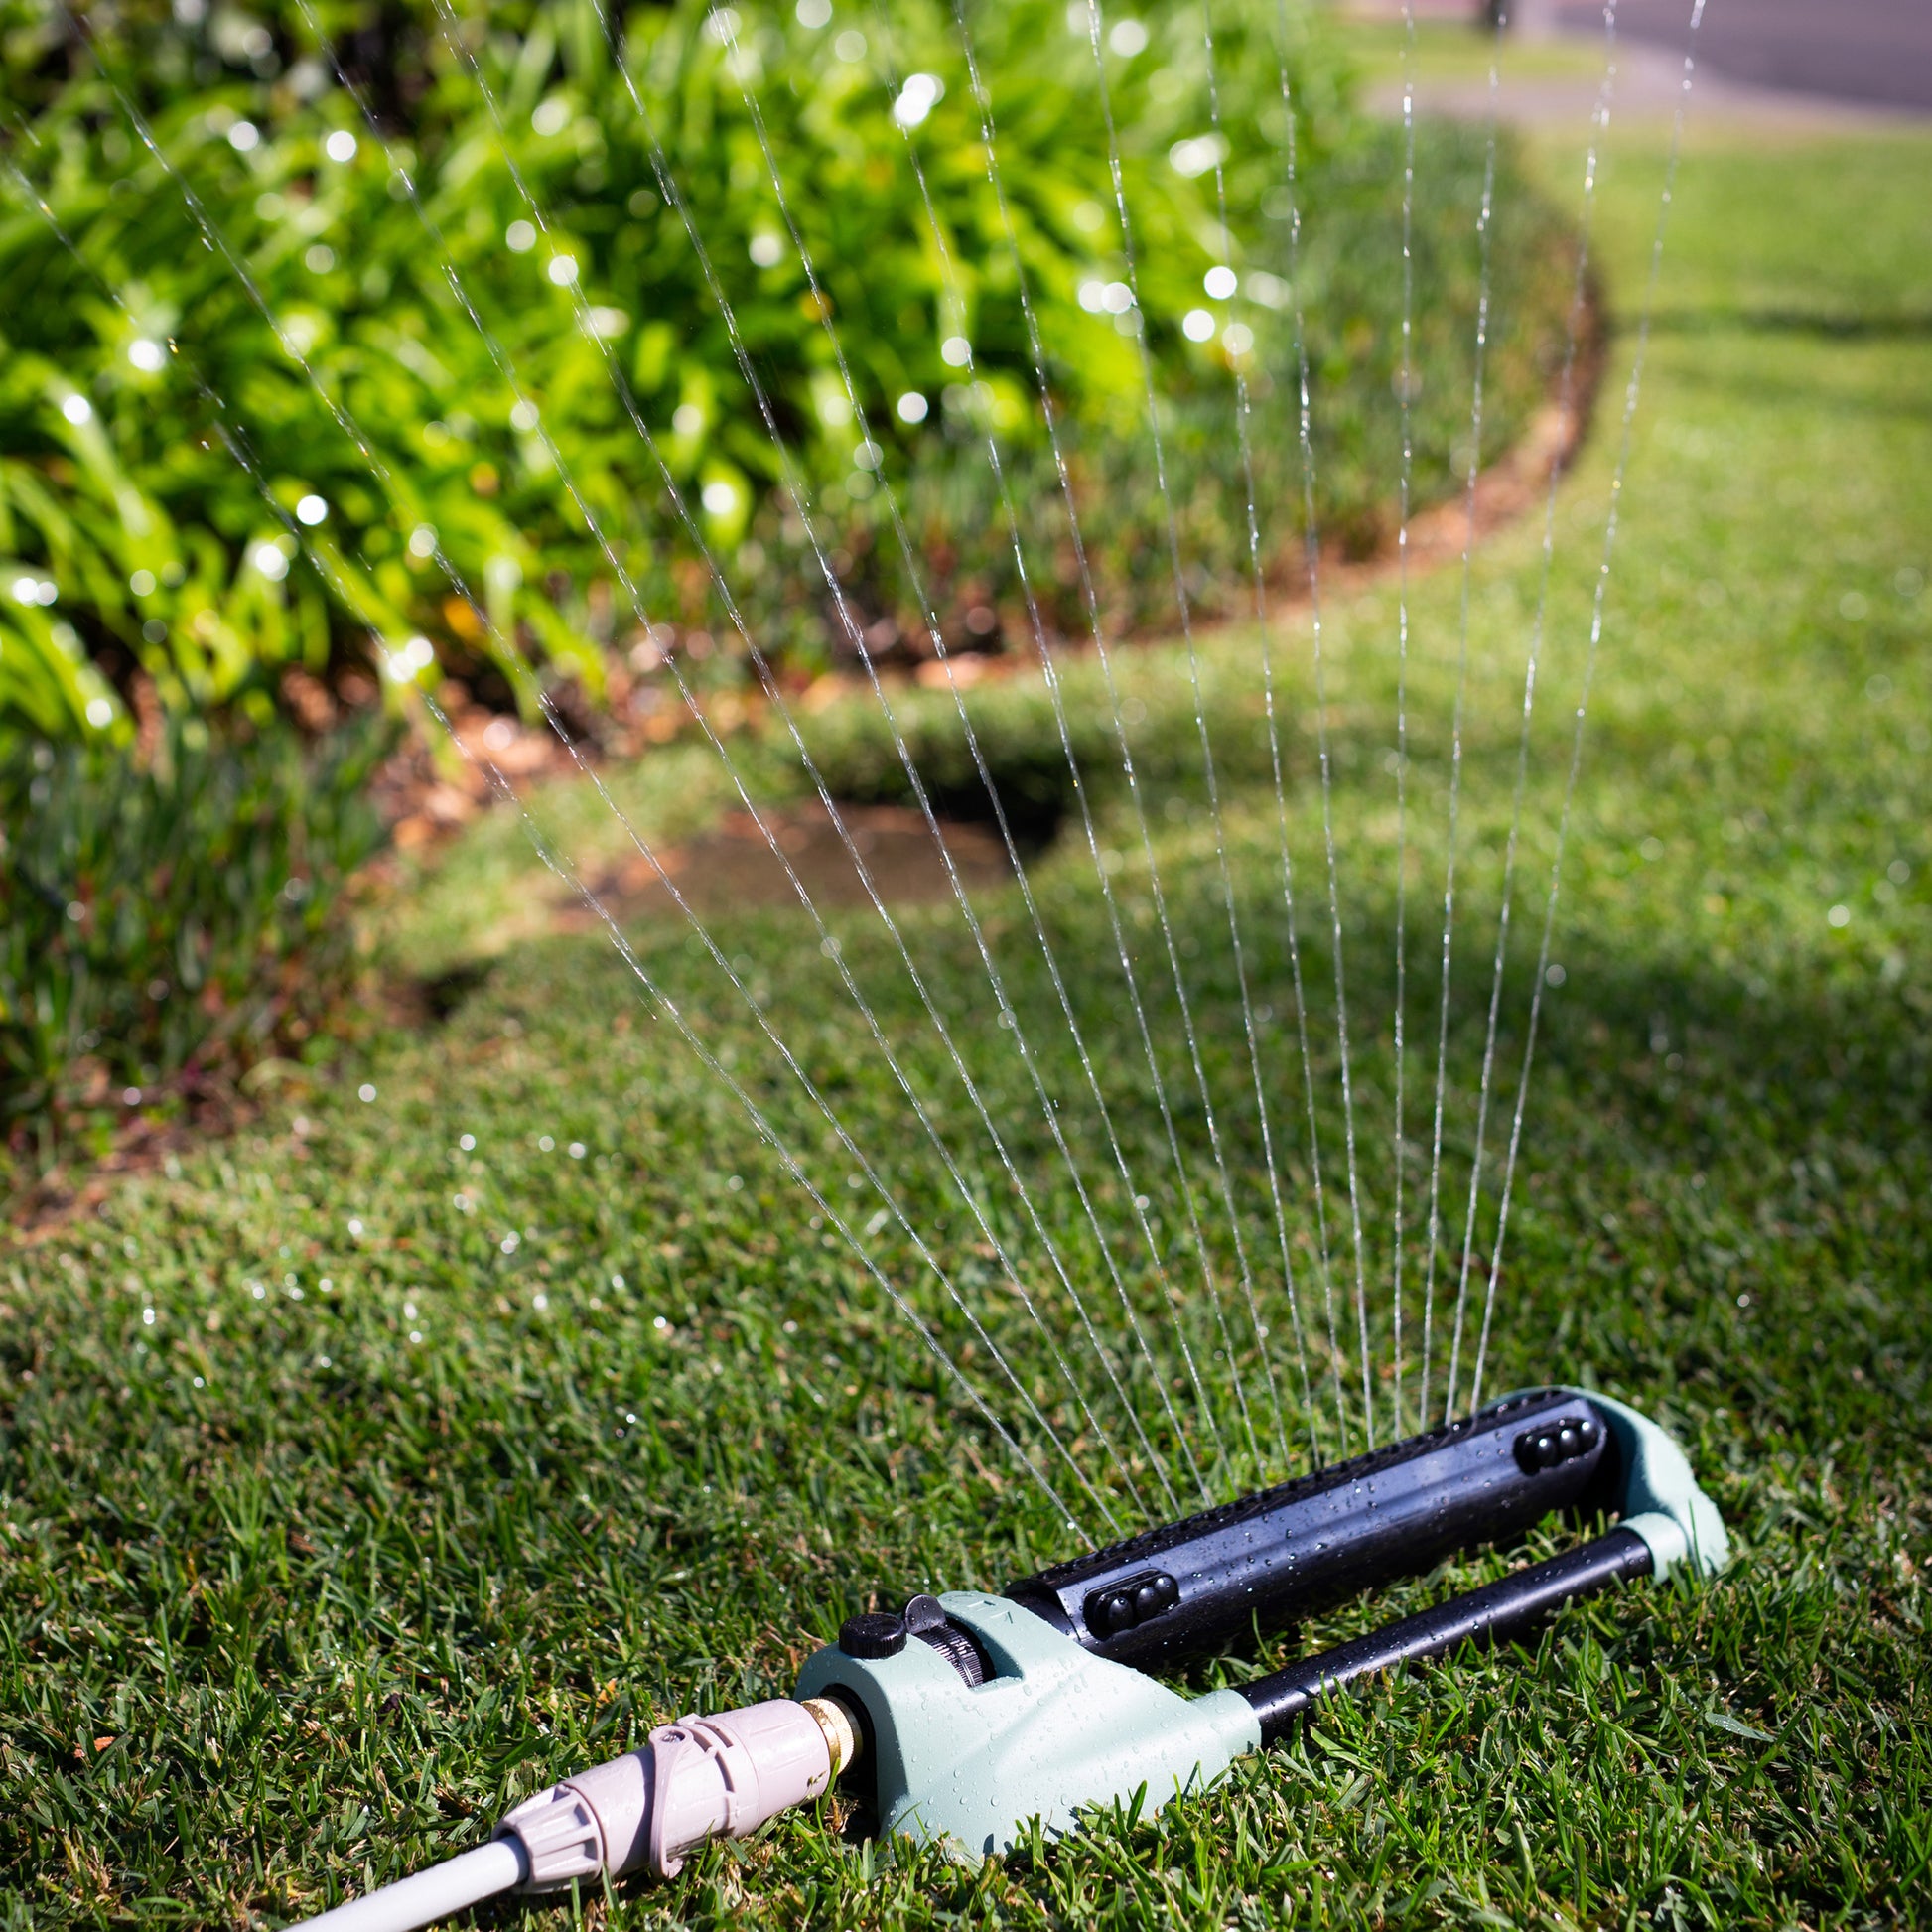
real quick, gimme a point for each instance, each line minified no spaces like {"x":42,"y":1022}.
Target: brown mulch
{"x":732,"y":866}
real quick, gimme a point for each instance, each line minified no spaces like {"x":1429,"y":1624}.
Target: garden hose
{"x":963,"y":1717}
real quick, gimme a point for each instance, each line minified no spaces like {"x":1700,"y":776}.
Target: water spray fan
{"x":963,"y":1717}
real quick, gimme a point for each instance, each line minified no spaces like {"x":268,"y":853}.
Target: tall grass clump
{"x":166,"y":920}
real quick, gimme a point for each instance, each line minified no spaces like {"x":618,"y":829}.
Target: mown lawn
{"x":333,"y":1519}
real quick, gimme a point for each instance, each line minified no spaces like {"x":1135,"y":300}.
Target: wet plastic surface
{"x":1188,"y":1588}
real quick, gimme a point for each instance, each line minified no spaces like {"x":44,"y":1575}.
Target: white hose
{"x":699,"y":1778}
{"x":451,"y":1886}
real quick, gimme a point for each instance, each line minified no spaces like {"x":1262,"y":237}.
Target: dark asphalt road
{"x":1878,"y":51}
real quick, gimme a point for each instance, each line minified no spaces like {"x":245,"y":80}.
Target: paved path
{"x":1873,"y":51}
{"x":1799,"y":64}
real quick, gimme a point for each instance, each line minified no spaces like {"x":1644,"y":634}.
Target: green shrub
{"x":167,"y":918}
{"x":164,"y":559}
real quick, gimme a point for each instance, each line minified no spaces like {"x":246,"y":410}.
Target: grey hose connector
{"x":443,"y":1889}
{"x":720,"y":1776}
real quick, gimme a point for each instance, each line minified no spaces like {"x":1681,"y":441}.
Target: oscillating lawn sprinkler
{"x":962,"y":1717}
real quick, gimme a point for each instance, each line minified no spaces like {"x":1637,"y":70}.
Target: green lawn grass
{"x":332,"y":1521}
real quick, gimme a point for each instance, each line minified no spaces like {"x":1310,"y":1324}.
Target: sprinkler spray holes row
{"x":963,"y":1717}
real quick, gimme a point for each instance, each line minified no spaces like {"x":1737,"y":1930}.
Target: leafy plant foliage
{"x":130,"y":537}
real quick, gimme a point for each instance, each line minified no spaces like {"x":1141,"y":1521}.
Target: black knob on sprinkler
{"x":926,"y":1618}
{"x":877,"y":1633}
{"x":924,"y":1613}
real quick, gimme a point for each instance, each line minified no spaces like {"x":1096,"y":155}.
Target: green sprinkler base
{"x":1054,"y":1733}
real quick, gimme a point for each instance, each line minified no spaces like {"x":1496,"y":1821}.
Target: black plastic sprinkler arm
{"x":1492,"y":1614}
{"x":1188,"y":1588}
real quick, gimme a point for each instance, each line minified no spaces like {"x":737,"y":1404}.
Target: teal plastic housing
{"x":1054,"y":1733}
{"x":1660,"y":1499}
